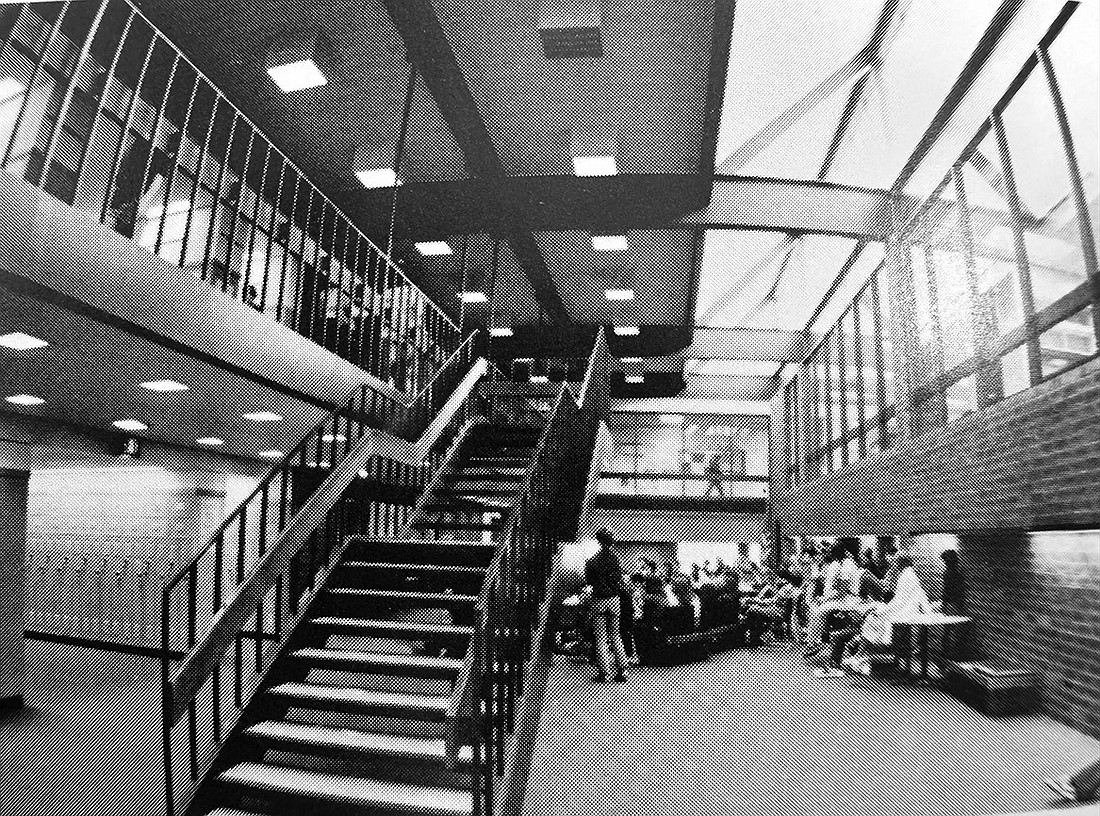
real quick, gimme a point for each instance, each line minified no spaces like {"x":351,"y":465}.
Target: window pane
{"x":924,"y":365}
{"x":1052,"y":236}
{"x":1068,"y":343}
{"x":961,"y":398}
{"x":1076,"y":61}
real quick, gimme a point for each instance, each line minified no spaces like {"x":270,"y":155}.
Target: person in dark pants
{"x":603,"y":573}
{"x":626,"y":624}
{"x":954,"y":603}
{"x":1081,"y":787}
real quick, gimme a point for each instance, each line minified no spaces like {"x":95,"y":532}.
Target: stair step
{"x":379,"y":663}
{"x":362,"y":701}
{"x":393,"y":629}
{"x":427,"y":524}
{"x":426,"y":599}
{"x":233,"y":812}
{"x":459,"y":476}
{"x":427,"y":569}
{"x":464,"y":506}
{"x":464,"y":553}
{"x":329,"y":741}
{"x":347,"y":791}
{"x":477,"y":491}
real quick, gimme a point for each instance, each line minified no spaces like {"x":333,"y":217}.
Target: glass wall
{"x":102,"y":112}
{"x":994,"y":277}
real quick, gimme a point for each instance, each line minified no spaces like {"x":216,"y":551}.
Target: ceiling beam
{"x":877,"y":46}
{"x":717,"y":71}
{"x":429,"y":50}
{"x":777,"y":345}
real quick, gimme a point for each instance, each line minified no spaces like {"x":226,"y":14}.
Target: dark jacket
{"x":604,"y":574}
{"x":954,"y":591}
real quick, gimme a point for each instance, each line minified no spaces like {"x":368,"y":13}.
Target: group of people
{"x":854,"y":600}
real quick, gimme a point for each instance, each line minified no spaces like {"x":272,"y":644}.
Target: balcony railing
{"x":100,"y":110}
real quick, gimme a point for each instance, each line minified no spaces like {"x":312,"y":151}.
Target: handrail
{"x":544,"y":512}
{"x":271,"y":581}
{"x":296,"y":452}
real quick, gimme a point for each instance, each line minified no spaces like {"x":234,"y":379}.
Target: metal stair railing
{"x":248,"y":583}
{"x":483,"y":707}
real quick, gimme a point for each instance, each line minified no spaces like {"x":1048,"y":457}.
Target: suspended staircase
{"x":392,"y":684}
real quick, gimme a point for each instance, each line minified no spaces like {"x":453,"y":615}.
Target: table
{"x":924,"y":621}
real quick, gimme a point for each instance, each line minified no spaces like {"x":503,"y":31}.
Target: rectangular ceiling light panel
{"x":570,"y":29}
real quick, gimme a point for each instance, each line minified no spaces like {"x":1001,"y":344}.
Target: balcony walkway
{"x":753,"y":732}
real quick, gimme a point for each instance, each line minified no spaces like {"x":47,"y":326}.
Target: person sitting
{"x":768,"y":609}
{"x":840,"y":591}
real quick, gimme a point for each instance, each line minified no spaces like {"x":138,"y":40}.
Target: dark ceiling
{"x":488,"y":147}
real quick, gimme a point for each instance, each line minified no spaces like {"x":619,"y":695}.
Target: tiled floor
{"x":753,"y":733}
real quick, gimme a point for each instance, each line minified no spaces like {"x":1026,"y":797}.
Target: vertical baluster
{"x":145,"y":180}
{"x":36,"y":73}
{"x":242,"y":185}
{"x":82,"y":159}
{"x":167,"y":701}
{"x":219,"y":567}
{"x":286,"y":249}
{"x":196,"y":182}
{"x":174,"y":171}
{"x":246,"y":260}
{"x":242,"y":528}
{"x":192,"y":610}
{"x":307,"y":224}
{"x":216,"y":204}
{"x":261,"y":547}
{"x":339,"y":258}
{"x":216,"y":700}
{"x":127,"y":124}
{"x":70,"y":88}
{"x":271,"y":234}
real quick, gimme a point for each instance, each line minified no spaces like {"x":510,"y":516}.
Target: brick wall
{"x":1020,"y":483}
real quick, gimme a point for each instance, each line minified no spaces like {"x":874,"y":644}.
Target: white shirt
{"x":842,"y":578}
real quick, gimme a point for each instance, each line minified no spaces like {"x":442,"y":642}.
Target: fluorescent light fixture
{"x":212,"y":441}
{"x":24,"y":399}
{"x":130,"y":425}
{"x":635,"y":378}
{"x":609,"y":243}
{"x":473,"y":297}
{"x":333,"y":438}
{"x":672,"y":419}
{"x":165,"y":385}
{"x":262,"y":416}
{"x":627,"y":331}
{"x":539,"y":378}
{"x":272,"y":454}
{"x":379,"y":177}
{"x":21,"y":342}
{"x":434,"y":248}
{"x":594,"y":165}
{"x":732,"y":368}
{"x":297,"y":76}
{"x":619,"y":294}
{"x":500,"y":331}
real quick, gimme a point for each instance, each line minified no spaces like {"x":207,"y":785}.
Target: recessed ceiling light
{"x":334,"y":438}
{"x":21,"y":342}
{"x":130,"y":425}
{"x":263,"y":416}
{"x":380,"y":177}
{"x":635,"y":378}
{"x":165,"y":385}
{"x":213,"y":441}
{"x":619,"y":294}
{"x":609,"y":243}
{"x":297,"y":76}
{"x":594,"y":165}
{"x":433,"y":248}
{"x":500,"y":331}
{"x":272,"y":454}
{"x":24,"y":399}
{"x":473,"y":297}
{"x":627,"y":331}
{"x":539,"y":378}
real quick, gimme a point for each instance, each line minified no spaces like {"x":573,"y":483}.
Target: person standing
{"x":953,"y":603}
{"x":715,"y":478}
{"x":603,"y":573}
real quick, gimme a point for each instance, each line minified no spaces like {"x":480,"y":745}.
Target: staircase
{"x":351,"y":716}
